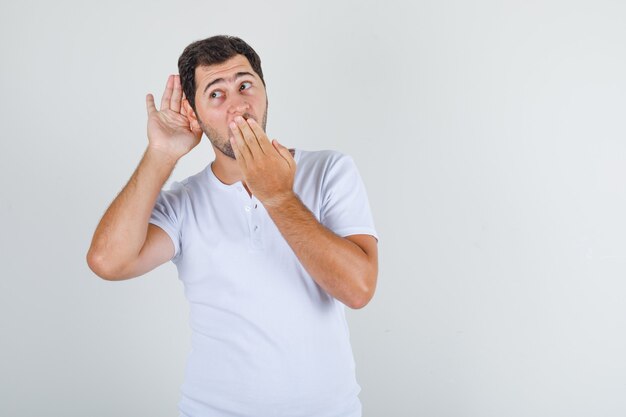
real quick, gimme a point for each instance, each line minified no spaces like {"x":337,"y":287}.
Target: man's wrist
{"x":161,"y":156}
{"x":281,"y":200}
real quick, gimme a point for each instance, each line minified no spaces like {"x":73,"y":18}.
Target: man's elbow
{"x":102,"y":268}
{"x":364,"y":295}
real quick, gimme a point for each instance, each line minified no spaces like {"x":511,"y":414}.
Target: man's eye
{"x":216,"y":94}
{"x":245,"y":85}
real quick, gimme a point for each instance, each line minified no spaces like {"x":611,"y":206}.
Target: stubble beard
{"x":223,"y":143}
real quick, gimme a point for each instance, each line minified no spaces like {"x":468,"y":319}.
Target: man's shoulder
{"x":325,"y":168}
{"x":325,"y":158}
{"x":187,"y":185}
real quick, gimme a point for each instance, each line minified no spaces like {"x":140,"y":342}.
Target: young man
{"x":269,"y":243}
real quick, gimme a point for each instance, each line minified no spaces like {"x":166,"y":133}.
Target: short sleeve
{"x":167,"y":214}
{"x":345,"y":207}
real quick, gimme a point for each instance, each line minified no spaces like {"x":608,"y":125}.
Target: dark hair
{"x":211,"y":51}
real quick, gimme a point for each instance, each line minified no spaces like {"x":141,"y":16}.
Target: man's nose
{"x":238,"y":105}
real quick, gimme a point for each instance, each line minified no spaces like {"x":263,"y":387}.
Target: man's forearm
{"x":341,"y":267}
{"x":338,"y":265}
{"x":122,"y":231}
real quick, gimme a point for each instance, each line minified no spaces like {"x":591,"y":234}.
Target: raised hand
{"x":169,"y":129}
{"x":268,"y":168}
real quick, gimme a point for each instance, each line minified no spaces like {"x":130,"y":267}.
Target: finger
{"x":150,"y":104}
{"x":176,"y":95}
{"x":249,"y":136}
{"x":261,"y":136}
{"x":284,"y":152}
{"x":240,"y":143}
{"x":241,"y":160}
{"x":167,"y":94}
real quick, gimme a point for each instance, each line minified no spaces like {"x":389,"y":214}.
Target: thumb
{"x":150,"y":104}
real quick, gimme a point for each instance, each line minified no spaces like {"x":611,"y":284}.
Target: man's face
{"x":224,"y":91}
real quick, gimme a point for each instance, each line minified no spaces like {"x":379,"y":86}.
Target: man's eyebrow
{"x":219,"y":80}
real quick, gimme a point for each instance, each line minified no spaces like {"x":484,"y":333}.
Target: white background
{"x":490,"y":135}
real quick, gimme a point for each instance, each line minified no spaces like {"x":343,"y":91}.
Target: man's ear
{"x":191,"y":114}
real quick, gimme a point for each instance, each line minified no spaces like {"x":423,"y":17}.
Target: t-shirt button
{"x":256,"y":228}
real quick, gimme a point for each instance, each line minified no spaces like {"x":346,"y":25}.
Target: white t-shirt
{"x":266,"y":339}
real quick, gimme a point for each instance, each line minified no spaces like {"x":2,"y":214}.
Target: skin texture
{"x":346,"y":268}
{"x":232,"y":112}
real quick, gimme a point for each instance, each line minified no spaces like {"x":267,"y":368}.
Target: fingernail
{"x":232,"y":125}
{"x":239,"y":119}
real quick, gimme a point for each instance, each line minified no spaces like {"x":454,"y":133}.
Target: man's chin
{"x":227,"y":151}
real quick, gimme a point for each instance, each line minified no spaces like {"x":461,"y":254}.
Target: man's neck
{"x":226,"y":169}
